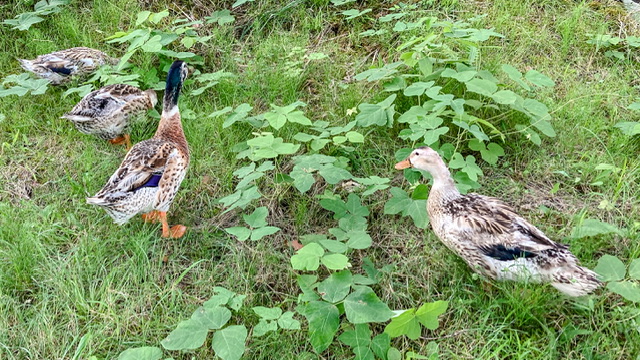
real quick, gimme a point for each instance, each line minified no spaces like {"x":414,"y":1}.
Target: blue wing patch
{"x":504,"y":253}
{"x":152,"y":182}
{"x":60,"y":70}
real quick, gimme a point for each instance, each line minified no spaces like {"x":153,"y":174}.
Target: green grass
{"x":66,"y":272}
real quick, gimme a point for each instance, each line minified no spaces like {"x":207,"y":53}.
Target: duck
{"x":150,"y":175}
{"x":108,"y":111}
{"x":492,"y":238}
{"x":58,"y":67}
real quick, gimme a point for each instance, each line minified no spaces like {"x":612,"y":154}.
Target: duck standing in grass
{"x":58,"y":67}
{"x":491,"y":238}
{"x":150,"y":174}
{"x":107,"y":112}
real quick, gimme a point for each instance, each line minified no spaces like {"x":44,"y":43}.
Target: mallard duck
{"x":150,"y":174}
{"x":59,"y":66}
{"x":107,"y":112}
{"x":491,"y":238}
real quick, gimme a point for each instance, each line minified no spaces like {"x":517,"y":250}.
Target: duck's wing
{"x":104,"y":102}
{"x":143,"y":166}
{"x":495,"y":229}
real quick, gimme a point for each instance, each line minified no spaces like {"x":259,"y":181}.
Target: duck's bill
{"x":404,"y":164}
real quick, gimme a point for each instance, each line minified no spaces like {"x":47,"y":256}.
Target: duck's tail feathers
{"x":576,"y":281}
{"x":97,"y":201}
{"x":26,"y":64}
{"x":76,"y":118}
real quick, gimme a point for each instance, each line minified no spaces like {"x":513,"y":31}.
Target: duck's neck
{"x":443,"y":188}
{"x":170,"y":126}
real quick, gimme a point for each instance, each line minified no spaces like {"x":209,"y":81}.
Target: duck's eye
{"x":416,"y":153}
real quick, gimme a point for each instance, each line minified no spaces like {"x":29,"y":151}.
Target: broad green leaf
{"x":358,"y":239}
{"x":267,"y":313}
{"x":334,"y":246}
{"x":336,"y":287}
{"x":307,"y":258}
{"x":241,"y":232}
{"x":593,"y":227}
{"x":364,"y":306}
{"x":492,"y":153}
{"x":610,"y":268}
{"x":221,"y":17}
{"x":380,"y":345}
{"x":354,"y":13}
{"x":402,"y":203}
{"x":286,"y":321}
{"x":627,"y":289}
{"x":335,"y":205}
{"x":360,"y":335}
{"x":153,"y":45}
{"x":264,"y":326}
{"x":323,"y":319}
{"x":404,"y":324}
{"x":335,"y":261}
{"x":505,"y":97}
{"x":212,"y":318}
{"x":188,"y":335}
{"x":539,"y":79}
{"x":432,"y":136}
{"x":259,"y":233}
{"x":228,"y":343}
{"x":24,"y":21}
{"x":354,"y":137}
{"x":418,"y":88}
{"x":257,"y":218}
{"x":394,"y":354}
{"x":516,"y":76}
{"x":141,"y":353}
{"x":276,"y":120}
{"x":482,"y":87}
{"x":536,"y":107}
{"x":334,"y":175}
{"x":355,"y":207}
{"x":222,"y":297}
{"x":634,"y":269}
{"x":142,"y":17}
{"x":629,"y":128}
{"x":376,"y":114}
{"x":428,"y":313}
{"x":302,"y":179}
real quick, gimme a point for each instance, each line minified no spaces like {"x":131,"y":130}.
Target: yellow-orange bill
{"x":404,"y":164}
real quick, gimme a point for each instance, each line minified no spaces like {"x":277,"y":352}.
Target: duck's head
{"x":422,"y":158}
{"x":177,"y":73}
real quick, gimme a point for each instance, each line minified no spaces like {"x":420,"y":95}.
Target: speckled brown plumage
{"x":491,"y":238}
{"x":58,"y":67}
{"x":130,"y":190}
{"x":108,"y":111}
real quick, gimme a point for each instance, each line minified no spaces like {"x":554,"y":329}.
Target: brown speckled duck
{"x":491,"y":238}
{"x":150,"y":174}
{"x":108,"y":112}
{"x":58,"y":67}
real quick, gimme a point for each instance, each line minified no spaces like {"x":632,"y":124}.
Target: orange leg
{"x":151,"y":216}
{"x":120,"y":140}
{"x":176,"y":231}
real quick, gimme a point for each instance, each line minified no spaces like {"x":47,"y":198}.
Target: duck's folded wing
{"x":144,"y":161}
{"x":495,"y":228}
{"x":98,"y":103}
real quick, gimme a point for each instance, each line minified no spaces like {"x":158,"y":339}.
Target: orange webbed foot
{"x":152,"y":217}
{"x":122,"y":140}
{"x":175,"y":232}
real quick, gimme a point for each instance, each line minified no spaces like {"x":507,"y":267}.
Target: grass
{"x":68,"y":276}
